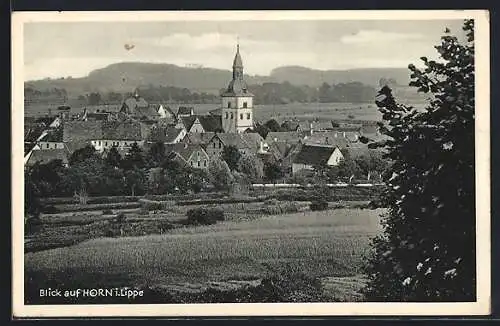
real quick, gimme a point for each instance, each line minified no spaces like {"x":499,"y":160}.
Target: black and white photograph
{"x":199,"y":163}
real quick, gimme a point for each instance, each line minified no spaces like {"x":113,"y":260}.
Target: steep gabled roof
{"x":201,"y":138}
{"x":118,"y":130}
{"x":329,"y":138}
{"x":171,"y":133}
{"x":241,"y":141}
{"x":188,"y":121}
{"x":184,"y":150}
{"x":183,"y":110}
{"x":211,"y":123}
{"x":81,"y":131}
{"x":45,"y":156}
{"x":285,"y":136}
{"x":314,"y":154}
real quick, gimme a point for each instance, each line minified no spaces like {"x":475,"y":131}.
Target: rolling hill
{"x":124,"y":77}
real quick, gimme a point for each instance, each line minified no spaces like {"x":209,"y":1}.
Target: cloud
{"x":377,"y":36}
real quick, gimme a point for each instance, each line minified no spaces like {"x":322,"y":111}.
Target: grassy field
{"x":328,"y":245}
{"x":303,"y":111}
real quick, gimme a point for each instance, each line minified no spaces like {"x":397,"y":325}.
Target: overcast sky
{"x":74,"y":49}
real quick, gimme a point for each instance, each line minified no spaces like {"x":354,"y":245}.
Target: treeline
{"x":267,"y":93}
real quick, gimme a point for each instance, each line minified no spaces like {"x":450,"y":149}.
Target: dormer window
{"x":228,"y":105}
{"x":245,"y":104}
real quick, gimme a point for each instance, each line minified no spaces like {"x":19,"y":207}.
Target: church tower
{"x":237,"y":102}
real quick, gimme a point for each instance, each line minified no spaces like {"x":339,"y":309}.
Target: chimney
{"x":326,"y":140}
{"x":185,"y":145}
{"x":311,"y":128}
{"x":261,"y":149}
{"x":343,"y":134}
{"x":335,"y":135}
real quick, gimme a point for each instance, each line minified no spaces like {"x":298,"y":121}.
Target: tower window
{"x":229,"y":104}
{"x":227,"y":115}
{"x":245,"y":105}
{"x":241,"y":116}
{"x":204,"y":163}
{"x":248,"y":116}
{"x":231,"y":115}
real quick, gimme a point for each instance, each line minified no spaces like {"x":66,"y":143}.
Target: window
{"x":106,"y":144}
{"x":231,"y":115}
{"x":214,"y":145}
{"x":227,"y":115}
{"x":47,"y":145}
{"x":241,"y":116}
{"x":245,"y":105}
{"x":220,"y":145}
{"x":192,"y":163}
{"x":229,"y":105}
{"x":248,"y":116}
{"x":204,"y":163}
{"x":199,"y":164}
{"x":99,"y":143}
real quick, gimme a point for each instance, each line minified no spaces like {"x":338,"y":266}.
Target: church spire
{"x":237,"y":64}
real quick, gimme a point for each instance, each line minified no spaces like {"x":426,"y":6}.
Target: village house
{"x":310,"y":156}
{"x":199,"y":138}
{"x":45,"y":156}
{"x":119,"y":134}
{"x":165,"y":113}
{"x":51,"y":139}
{"x":189,"y":154}
{"x":184,"y":112}
{"x":201,"y":123}
{"x":166,"y":134}
{"x":138,"y":108}
{"x":245,"y":142}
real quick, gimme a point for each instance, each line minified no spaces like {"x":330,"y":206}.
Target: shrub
{"x":204,"y":216}
{"x":120,"y":218}
{"x":50,"y":209}
{"x":319,"y":205}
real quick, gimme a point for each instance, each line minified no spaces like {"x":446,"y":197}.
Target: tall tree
{"x":427,"y":250}
{"x":272,"y":172}
{"x":231,"y":155}
{"x":156,"y":154}
{"x":113,"y":158}
{"x":219,"y":174}
{"x":134,"y":158}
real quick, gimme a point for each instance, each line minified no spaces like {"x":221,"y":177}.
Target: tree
{"x":94,"y":98}
{"x":156,"y":154}
{"x":135,"y":180}
{"x":31,"y":196}
{"x":219,"y":174}
{"x":82,"y":154}
{"x":134,"y":158}
{"x":252,"y":166}
{"x":272,"y":172}
{"x":427,"y":249}
{"x":113,"y":158}
{"x":262,"y":130}
{"x":273,"y":125}
{"x":231,"y":155}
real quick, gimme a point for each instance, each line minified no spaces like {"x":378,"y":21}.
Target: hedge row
{"x":91,"y":200}
{"x":53,"y":209}
{"x":204,"y":216}
{"x":337,"y":194}
{"x":228,"y":200}
{"x":201,"y":195}
{"x":283,"y":208}
{"x":153,"y":205}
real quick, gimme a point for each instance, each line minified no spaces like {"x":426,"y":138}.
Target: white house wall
{"x":335,"y":158}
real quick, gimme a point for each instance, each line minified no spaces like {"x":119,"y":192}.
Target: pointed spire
{"x":237,"y":63}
